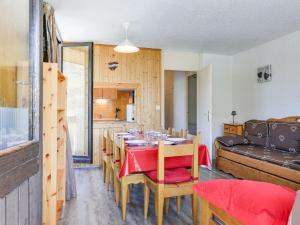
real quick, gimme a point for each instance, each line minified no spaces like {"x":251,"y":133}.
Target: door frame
{"x":209,"y":113}
{"x":89,"y":158}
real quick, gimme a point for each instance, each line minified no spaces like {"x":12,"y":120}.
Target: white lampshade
{"x":126,"y":47}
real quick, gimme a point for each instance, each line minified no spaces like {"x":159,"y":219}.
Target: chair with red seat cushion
{"x":247,"y":202}
{"x":168,"y":183}
{"x":172,"y":176}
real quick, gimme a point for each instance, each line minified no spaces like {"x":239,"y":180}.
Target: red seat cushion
{"x":250,"y":202}
{"x":172,"y":176}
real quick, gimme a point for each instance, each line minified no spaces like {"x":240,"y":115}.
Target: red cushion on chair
{"x":172,"y":176}
{"x":250,"y":202}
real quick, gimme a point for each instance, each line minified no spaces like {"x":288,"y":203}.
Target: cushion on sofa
{"x":250,"y":202}
{"x":285,"y":136}
{"x":256,"y":131}
{"x":232,"y":140}
{"x":278,"y":157}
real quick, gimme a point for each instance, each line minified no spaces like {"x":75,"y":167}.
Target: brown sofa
{"x":269,"y":151}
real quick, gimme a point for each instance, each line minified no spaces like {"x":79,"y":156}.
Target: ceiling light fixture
{"x":126,"y":46}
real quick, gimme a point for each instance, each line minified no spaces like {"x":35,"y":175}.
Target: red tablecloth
{"x":143,"y":159}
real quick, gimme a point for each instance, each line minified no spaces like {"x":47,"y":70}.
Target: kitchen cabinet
{"x":109,"y":93}
{"x":97,"y":93}
{"x":105,"y":93}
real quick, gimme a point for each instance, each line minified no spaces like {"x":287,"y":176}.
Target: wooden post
{"x":54,"y":143}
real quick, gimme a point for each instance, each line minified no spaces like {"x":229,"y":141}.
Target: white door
{"x":204,"y":106}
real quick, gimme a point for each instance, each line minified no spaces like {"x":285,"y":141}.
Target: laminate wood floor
{"x":95,"y":205}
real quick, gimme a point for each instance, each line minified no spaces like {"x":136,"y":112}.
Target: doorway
{"x":181,"y":100}
{"x":192,"y":104}
{"x":76,"y":64}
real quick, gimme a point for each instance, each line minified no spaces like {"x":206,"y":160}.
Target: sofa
{"x":269,"y":151}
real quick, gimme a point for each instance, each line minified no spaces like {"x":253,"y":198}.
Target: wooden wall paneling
{"x":12,"y":208}
{"x":169,"y":98}
{"x":142,"y":68}
{"x":23,"y":203}
{"x":2,"y":211}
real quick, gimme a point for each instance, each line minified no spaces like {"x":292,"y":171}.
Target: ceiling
{"x":214,"y":26}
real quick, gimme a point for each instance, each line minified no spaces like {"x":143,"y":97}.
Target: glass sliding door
{"x":76,"y":64}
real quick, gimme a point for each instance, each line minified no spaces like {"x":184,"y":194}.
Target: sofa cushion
{"x":279,"y":157}
{"x":172,"y":176}
{"x":256,"y":131}
{"x":285,"y":136}
{"x":232,"y":140}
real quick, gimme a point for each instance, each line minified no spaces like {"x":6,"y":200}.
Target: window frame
{"x":89,"y":158}
{"x":25,"y":158}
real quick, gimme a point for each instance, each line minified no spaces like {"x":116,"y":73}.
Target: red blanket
{"x":250,"y":202}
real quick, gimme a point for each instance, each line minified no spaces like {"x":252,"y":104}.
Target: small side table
{"x":233,"y":129}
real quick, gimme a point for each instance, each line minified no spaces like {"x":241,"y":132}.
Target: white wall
{"x":278,"y":98}
{"x":221,"y":91}
{"x":180,"y":100}
{"x":14,"y":29}
{"x":179,"y":61}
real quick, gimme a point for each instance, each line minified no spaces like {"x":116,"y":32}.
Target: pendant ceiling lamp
{"x":126,"y":46}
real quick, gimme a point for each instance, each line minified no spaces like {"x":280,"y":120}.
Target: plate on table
{"x":177,"y":140}
{"x":128,"y":137}
{"x":165,"y":142}
{"x":122,"y":133}
{"x":136,"y":142}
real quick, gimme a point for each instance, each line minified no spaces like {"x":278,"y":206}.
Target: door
{"x":192,"y":104}
{"x":76,"y":64}
{"x":204,"y":106}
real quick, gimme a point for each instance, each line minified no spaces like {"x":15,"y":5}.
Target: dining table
{"x":143,"y":158}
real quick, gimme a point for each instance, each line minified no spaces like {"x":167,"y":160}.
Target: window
{"x":77,"y":65}
{"x":15,"y":79}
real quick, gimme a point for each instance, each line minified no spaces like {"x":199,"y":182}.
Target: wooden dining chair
{"x":168,"y":183}
{"x":183,"y":133}
{"x":106,"y":157}
{"x":122,"y":184}
{"x":115,"y":158}
{"x":187,"y":136}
